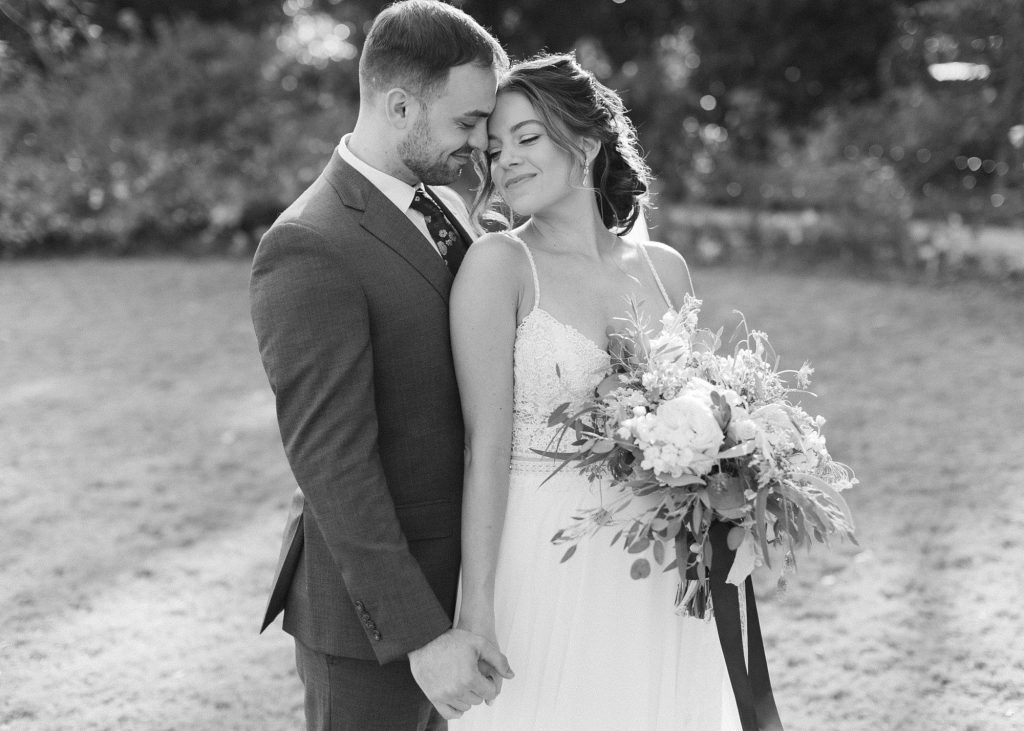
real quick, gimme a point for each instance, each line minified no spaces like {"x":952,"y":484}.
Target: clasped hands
{"x":458,"y":670}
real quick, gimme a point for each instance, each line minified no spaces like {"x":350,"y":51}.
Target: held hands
{"x":458,"y":670}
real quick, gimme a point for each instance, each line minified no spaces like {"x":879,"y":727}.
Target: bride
{"x":531,"y":311}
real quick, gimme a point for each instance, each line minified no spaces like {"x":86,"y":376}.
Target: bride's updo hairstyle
{"x":572,"y":105}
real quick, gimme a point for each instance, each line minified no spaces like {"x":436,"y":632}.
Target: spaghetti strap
{"x":689,"y":278}
{"x":533,"y":267}
{"x":664,"y":293}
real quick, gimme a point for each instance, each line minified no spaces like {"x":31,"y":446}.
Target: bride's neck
{"x":570,"y":231}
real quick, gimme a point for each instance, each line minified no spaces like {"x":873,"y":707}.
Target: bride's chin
{"x":521,"y":211}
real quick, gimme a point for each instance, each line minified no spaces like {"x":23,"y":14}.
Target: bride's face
{"x":529,"y":170}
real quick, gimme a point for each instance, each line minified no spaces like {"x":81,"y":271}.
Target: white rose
{"x":777,"y":426}
{"x":687,"y":424}
{"x":742,"y":428}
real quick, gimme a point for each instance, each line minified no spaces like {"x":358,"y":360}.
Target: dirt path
{"x":142,"y":491}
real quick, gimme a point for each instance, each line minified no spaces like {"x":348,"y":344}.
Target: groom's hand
{"x":448,"y":670}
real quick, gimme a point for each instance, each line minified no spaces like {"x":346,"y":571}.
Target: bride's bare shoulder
{"x":495,"y":249}
{"x":494,"y":260}
{"x":671,"y":267}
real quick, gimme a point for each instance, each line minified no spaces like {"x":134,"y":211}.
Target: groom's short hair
{"x":413,"y":43}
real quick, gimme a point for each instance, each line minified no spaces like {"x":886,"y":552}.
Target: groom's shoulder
{"x":318,"y":206}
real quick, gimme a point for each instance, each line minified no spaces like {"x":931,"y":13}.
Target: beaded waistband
{"x":533,"y":463}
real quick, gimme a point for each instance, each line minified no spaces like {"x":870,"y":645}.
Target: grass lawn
{"x":143,"y":488}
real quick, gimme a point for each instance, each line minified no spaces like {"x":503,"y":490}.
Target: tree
{"x":950,"y":119}
{"x":43,"y":32}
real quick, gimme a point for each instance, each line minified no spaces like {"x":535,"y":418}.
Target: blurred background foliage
{"x":883,"y":135}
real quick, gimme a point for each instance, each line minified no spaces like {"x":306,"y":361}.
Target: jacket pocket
{"x":421,"y":521}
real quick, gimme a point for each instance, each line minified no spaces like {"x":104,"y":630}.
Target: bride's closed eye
{"x":493,"y":154}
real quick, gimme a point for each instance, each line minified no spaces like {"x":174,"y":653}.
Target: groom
{"x":349,"y":296}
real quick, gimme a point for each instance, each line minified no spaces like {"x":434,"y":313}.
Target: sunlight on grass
{"x":144,"y":485}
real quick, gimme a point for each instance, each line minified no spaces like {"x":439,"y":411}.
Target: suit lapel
{"x":388,"y":224}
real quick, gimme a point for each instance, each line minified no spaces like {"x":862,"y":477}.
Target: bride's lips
{"x":517,"y":179}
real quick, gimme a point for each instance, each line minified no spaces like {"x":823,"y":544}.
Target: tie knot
{"x":423,"y":204}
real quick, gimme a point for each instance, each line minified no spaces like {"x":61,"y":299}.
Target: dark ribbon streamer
{"x":751,"y":685}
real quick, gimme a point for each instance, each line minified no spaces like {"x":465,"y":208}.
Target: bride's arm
{"x":484,"y":303}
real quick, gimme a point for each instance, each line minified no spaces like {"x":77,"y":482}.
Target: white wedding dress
{"x":591,"y":647}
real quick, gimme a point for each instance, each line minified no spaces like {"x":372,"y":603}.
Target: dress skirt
{"x":591,"y":647}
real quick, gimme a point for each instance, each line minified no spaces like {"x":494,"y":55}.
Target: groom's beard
{"x":418,"y":153}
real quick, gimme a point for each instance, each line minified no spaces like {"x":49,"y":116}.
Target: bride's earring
{"x":586,"y":172}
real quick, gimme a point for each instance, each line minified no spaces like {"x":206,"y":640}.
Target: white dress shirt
{"x":401,"y":193}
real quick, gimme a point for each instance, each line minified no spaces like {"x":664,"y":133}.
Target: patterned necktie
{"x":446,"y":237}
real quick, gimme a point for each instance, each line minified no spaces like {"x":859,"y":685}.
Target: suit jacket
{"x":350,"y":308}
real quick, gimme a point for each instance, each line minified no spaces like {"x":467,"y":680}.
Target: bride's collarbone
{"x":602,"y":273}
{"x":595,"y":292}
{"x":596,"y":317}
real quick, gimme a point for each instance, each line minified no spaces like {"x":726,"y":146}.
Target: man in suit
{"x":349,"y":296}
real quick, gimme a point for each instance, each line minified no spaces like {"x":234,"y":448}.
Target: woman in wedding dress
{"x":531,"y":310}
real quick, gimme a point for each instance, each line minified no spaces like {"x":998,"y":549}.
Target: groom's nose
{"x":478,"y":135}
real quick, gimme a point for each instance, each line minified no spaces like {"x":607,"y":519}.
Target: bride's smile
{"x":517,"y":180}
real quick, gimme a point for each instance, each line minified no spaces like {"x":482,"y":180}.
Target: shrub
{"x":187,"y":143}
{"x":804,"y":207}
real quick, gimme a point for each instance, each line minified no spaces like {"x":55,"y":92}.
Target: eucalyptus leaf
{"x":735,"y":537}
{"x":558,"y":414}
{"x":659,"y":552}
{"x":639,"y":545}
{"x":640,"y":569}
{"x":761,"y":521}
{"x":832,"y":493}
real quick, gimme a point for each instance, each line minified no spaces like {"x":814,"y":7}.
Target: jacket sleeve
{"x":312,"y":325}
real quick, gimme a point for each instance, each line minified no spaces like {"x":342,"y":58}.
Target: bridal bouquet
{"x":703,"y":437}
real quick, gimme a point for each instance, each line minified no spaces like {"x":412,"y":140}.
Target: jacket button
{"x":360,"y":606}
{"x":376,"y":635}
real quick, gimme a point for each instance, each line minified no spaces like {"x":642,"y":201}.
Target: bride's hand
{"x":484,"y":627}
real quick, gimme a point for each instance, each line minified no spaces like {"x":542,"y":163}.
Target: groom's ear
{"x":400,"y":107}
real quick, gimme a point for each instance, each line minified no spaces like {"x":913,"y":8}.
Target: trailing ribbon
{"x":751,"y":684}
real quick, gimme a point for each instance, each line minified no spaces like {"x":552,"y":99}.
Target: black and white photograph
{"x":512,"y":365}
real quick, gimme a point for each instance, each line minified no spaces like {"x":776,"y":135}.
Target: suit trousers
{"x":347,"y":694}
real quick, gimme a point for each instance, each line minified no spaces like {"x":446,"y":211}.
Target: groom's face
{"x":450,"y":126}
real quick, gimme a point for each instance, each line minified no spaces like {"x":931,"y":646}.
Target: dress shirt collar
{"x":397,"y":191}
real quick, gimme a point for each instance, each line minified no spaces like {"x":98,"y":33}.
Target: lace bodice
{"x":552,"y":363}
